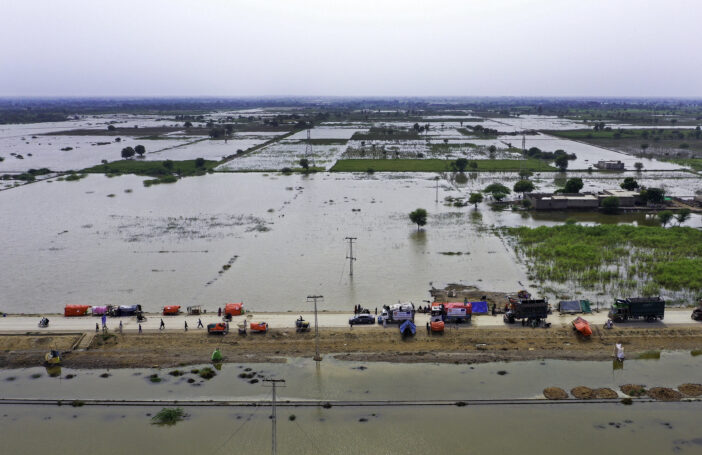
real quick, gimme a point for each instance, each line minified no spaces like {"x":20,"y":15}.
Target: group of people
{"x":161,"y":326}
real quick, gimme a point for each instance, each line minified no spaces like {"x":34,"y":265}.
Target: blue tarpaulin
{"x":479,"y":307}
{"x":569,"y":306}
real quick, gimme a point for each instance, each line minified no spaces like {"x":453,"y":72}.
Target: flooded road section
{"x":643,"y":428}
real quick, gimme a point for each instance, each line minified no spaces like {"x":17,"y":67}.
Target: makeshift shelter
{"x":479,"y":307}
{"x":76,"y":310}
{"x":170,"y":310}
{"x":100,"y":310}
{"x":569,"y":306}
{"x":233,"y":309}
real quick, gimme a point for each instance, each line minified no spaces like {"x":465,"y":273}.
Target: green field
{"x":626,"y":258}
{"x":645,"y":140}
{"x":153,"y":168}
{"x":435,"y":165}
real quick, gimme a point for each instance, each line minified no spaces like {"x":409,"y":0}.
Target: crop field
{"x":619,"y":260}
{"x":284,"y":154}
{"x":661,"y":142}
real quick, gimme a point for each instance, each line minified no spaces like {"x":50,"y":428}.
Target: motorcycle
{"x":44,"y":322}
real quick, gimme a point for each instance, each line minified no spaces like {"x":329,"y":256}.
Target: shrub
{"x":169,"y":416}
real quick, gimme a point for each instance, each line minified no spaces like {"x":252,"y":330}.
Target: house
{"x":626,"y":198}
{"x":610,"y":165}
{"x":564,"y":201}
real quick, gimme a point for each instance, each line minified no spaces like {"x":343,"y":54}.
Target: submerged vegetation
{"x":167,"y":171}
{"x":169,"y":416}
{"x":623,"y":257}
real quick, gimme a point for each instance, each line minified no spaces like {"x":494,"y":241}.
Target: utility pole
{"x":437,"y":189}
{"x":350,"y":256}
{"x":308,"y":147}
{"x":274,"y":442}
{"x":313,"y":298}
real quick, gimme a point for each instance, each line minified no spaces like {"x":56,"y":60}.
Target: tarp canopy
{"x":99,"y":310}
{"x":479,"y":307}
{"x":569,"y":306}
{"x":585,"y":306}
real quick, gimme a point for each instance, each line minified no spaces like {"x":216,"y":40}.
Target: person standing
{"x":104,"y":322}
{"x":97,"y":327}
{"x":186,"y":326}
{"x":162,"y":326}
{"x":120,"y":327}
{"x":139,"y":329}
{"x":219,"y":312}
{"x":619,"y":351}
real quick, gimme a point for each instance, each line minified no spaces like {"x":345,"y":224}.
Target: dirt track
{"x":469,"y":345}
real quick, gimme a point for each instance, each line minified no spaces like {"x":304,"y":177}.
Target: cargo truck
{"x":648,"y":308}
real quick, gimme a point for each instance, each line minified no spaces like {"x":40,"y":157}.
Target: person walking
{"x":162,"y":326}
{"x":186,"y":326}
{"x":120,"y":327}
{"x":97,"y":327}
{"x":199,"y":324}
{"x":139,"y":329}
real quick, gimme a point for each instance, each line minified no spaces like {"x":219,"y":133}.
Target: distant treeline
{"x":652,"y":110}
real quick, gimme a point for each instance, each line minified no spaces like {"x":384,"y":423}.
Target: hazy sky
{"x":356,"y":47}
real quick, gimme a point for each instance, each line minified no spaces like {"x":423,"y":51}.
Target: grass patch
{"x":591,"y":256}
{"x":74,"y":177}
{"x":436,"y":165}
{"x":386,"y":134}
{"x":155,"y":378}
{"x":169,"y":416}
{"x":77,"y":403}
{"x":694,"y":163}
{"x":696,"y":352}
{"x":160,"y":169}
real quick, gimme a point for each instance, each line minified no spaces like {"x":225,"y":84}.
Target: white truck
{"x":397,"y":313}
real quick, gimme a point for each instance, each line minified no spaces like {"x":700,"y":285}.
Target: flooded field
{"x":282,"y":236}
{"x":642,"y":428}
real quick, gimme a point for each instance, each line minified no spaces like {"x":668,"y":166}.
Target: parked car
{"x":362,"y":319}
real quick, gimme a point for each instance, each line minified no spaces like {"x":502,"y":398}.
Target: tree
{"x":111,"y":128}
{"x":187,"y":125}
{"x":492,"y":149}
{"x":498,"y":195}
{"x":610,"y":204}
{"x":525,"y":174}
{"x":665,"y":216}
{"x":305,"y":164}
{"x":643,"y":148}
{"x":654,"y":195}
{"x":475,"y":198}
{"x":168,"y":164}
{"x":473,"y":165}
{"x":199,"y":162}
{"x":638,"y":166}
{"x":682,"y":216}
{"x":461,"y":164}
{"x":523,"y":186}
{"x":561,"y":162}
{"x":127,"y":152}
{"x":140,"y":150}
{"x":629,"y":183}
{"x":496,"y":188}
{"x":573,"y":185}
{"x":418,"y":217}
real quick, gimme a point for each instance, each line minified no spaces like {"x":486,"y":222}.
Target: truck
{"x":530,"y":311}
{"x":397,"y":313}
{"x":648,"y":308}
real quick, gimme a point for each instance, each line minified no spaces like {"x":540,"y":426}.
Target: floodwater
{"x":643,"y":428}
{"x":112,"y":241}
{"x":646,"y":429}
{"x":334,"y":379}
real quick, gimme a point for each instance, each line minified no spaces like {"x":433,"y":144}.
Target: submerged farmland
{"x":614,"y":259}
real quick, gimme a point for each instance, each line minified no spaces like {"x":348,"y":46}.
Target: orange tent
{"x":76,"y":310}
{"x":170,"y":310}
{"x":233,"y":309}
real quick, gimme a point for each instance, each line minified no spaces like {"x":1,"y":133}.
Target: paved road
{"x":21,"y":324}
